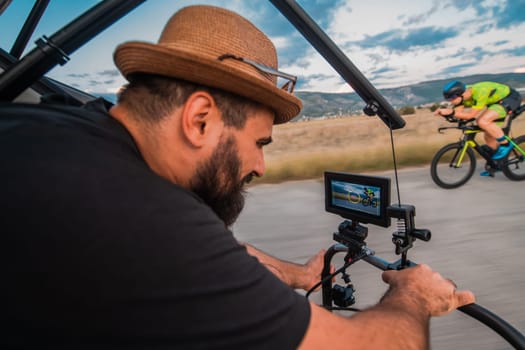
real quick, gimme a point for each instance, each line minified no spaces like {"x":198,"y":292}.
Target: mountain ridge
{"x":321,"y":104}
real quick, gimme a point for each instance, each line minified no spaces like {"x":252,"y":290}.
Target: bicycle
{"x":454,"y":164}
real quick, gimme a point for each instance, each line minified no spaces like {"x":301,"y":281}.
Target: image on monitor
{"x":358,"y":197}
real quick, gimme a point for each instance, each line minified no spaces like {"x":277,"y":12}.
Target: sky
{"x":392,"y":42}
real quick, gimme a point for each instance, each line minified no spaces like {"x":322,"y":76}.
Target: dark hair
{"x":152,"y":97}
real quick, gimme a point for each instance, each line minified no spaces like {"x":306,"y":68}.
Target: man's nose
{"x":260,"y":166}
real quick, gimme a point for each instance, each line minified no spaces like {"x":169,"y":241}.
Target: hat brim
{"x":134,"y":57}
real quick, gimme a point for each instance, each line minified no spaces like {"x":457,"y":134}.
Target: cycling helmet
{"x":453,"y":89}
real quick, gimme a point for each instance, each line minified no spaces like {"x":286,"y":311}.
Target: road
{"x":478,"y":240}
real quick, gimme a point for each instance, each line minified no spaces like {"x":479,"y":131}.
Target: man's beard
{"x":217,"y":181}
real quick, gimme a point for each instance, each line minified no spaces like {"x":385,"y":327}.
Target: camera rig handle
{"x":476,"y":311}
{"x":351,"y":238}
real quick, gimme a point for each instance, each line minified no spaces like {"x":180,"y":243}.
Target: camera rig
{"x":365,"y":199}
{"x":351,"y":236}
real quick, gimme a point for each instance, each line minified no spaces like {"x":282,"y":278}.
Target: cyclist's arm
{"x":297,"y":276}
{"x":460,"y":112}
{"x":399,"y":321}
{"x":468,"y":113}
{"x":444,"y":112}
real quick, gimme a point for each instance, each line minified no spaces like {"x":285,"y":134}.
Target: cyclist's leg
{"x":494,"y":112}
{"x":486,"y":122}
{"x":490,"y":147}
{"x":490,"y":141}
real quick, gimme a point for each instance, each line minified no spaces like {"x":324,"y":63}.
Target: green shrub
{"x":434,"y":107}
{"x":405,"y":110}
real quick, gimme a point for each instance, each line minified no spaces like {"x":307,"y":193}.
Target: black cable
{"x":395,"y":164}
{"x":329,"y":277}
{"x":333,"y":274}
{"x":337,"y":308}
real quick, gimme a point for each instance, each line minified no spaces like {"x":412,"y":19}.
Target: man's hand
{"x":312,"y":271}
{"x":297,"y":276}
{"x":421,"y":287}
{"x":401,"y":320}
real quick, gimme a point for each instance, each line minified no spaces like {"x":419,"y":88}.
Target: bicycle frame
{"x":516,"y":146}
{"x":469,"y":140}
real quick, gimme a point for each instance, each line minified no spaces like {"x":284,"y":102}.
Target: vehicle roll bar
{"x":375,"y":102}
{"x":55,"y":49}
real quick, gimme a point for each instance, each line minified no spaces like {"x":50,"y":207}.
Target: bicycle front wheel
{"x":513,"y":166}
{"x":448,"y":170}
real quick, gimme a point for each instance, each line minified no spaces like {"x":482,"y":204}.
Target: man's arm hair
{"x":298,"y":276}
{"x":386,"y":325}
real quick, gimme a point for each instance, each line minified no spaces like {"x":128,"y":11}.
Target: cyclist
{"x":369,"y":193}
{"x":486,"y":102}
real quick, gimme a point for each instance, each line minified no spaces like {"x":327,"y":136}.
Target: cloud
{"x":313,"y":81}
{"x":516,"y":51}
{"x":421,"y":17}
{"x":455,"y":69}
{"x":78,"y":75}
{"x":510,"y":15}
{"x":382,"y":72}
{"x":501,"y":42}
{"x":504,"y":13}
{"x":391,"y":43}
{"x":404,"y":40}
{"x":292,"y":47}
{"x":109,"y":72}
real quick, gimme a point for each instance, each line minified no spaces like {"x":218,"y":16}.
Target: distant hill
{"x":318,"y":104}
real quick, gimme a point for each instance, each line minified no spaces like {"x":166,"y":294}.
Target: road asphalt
{"x":478,"y":240}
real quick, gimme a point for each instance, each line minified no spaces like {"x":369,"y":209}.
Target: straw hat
{"x":190,"y":46}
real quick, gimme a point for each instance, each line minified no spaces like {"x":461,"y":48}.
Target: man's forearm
{"x":286,"y":271}
{"x":402,"y":322}
{"x":392,"y":324}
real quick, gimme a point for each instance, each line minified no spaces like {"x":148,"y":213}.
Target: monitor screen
{"x":358,"y":197}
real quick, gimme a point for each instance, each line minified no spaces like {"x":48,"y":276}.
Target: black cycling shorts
{"x":512,"y":101}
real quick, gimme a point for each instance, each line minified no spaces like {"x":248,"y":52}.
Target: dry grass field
{"x":304,"y":150}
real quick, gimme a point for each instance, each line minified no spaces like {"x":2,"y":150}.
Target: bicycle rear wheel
{"x":445,"y":170}
{"x":513,"y":166}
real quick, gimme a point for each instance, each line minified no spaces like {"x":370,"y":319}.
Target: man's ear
{"x":199,"y":116}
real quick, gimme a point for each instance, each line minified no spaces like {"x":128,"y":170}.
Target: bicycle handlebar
{"x":461,"y":125}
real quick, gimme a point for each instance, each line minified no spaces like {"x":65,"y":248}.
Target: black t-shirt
{"x":98,"y":251}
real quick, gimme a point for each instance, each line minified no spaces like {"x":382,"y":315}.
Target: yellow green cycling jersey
{"x":485,"y":94}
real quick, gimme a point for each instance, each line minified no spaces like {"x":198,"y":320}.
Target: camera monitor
{"x":357,"y":197}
